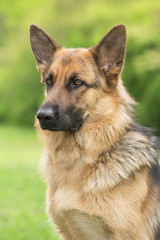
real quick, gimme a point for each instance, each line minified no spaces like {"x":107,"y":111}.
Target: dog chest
{"x":65,"y":199}
{"x":84,"y":226}
{"x":66,"y":210}
{"x":77,"y":225}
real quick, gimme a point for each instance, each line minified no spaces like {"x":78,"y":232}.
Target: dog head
{"x":78,"y":81}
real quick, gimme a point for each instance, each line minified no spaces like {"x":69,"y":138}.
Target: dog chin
{"x":62,"y":128}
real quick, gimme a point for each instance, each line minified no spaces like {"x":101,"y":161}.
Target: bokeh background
{"x":72,"y":24}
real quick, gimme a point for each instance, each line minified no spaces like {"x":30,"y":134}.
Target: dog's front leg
{"x":58,"y":220}
{"x":62,"y":228}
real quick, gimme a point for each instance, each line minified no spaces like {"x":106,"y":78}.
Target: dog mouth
{"x":52,"y":119}
{"x":61,"y":127}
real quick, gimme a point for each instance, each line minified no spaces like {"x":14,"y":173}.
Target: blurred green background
{"x":78,"y":24}
{"x":72,"y":24}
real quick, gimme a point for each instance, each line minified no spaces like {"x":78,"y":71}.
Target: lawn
{"x":22,"y":191}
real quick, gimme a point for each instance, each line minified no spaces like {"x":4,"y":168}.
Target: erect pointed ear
{"x":109,"y":54}
{"x":43,"y":47}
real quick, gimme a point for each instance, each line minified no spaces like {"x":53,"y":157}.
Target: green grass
{"x":22,"y":191}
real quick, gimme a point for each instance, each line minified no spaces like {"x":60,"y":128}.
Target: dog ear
{"x":43,"y":47}
{"x":109,"y":54}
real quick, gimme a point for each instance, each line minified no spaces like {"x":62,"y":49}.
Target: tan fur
{"x":98,"y":184}
{"x":119,"y":208}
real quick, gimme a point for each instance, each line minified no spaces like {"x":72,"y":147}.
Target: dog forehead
{"x":74,"y":61}
{"x":77,"y":56}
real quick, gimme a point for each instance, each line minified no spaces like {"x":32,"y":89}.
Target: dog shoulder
{"x":135,"y":150}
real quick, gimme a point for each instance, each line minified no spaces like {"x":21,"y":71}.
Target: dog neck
{"x":99,"y":133}
{"x":85,"y":145}
{"x":116,"y":146}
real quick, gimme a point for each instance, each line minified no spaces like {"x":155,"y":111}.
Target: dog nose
{"x":45,"y":115}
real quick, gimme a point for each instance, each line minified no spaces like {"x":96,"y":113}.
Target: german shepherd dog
{"x":100,"y":166}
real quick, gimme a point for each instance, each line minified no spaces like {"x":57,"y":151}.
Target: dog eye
{"x":49,"y":81}
{"x":78,"y":82}
{"x":75,"y":82}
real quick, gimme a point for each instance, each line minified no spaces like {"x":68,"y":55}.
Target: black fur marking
{"x":144,"y":130}
{"x":155,"y":180}
{"x":94,"y":85}
{"x":157,"y":234}
{"x":74,"y":77}
{"x":68,"y":120}
{"x":147,"y":132}
{"x":155,"y":174}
